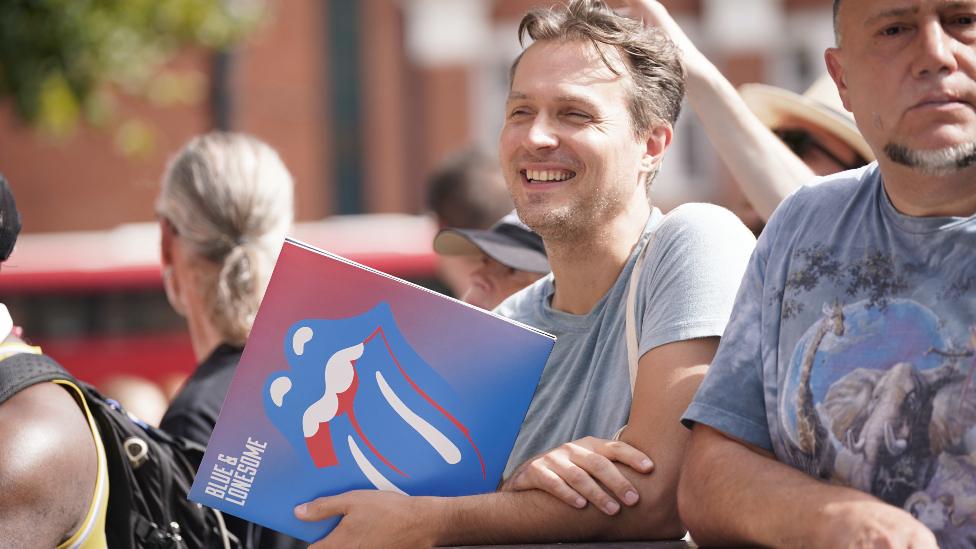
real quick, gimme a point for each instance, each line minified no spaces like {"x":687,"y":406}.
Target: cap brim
{"x":774,"y":106}
{"x":501,"y":248}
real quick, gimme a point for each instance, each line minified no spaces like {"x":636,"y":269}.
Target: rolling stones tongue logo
{"x":344,"y":383}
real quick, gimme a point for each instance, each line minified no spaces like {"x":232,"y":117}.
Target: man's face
{"x":491,"y":283}
{"x":907,"y":70}
{"x":568,"y":149}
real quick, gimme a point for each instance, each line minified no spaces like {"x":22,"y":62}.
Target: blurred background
{"x":362,"y":98}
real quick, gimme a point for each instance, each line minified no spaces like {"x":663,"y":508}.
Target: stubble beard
{"x":934,"y":163}
{"x":552,"y":224}
{"x":569,"y":223}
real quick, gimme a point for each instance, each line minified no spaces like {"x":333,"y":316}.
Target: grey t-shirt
{"x":685,"y":291}
{"x":852,"y":349}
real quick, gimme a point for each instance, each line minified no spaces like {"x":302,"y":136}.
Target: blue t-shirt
{"x":852,"y":348}
{"x":685,"y":290}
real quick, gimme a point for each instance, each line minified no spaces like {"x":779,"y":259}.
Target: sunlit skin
{"x":567,"y":114}
{"x":907,"y":70}
{"x":492,"y":282}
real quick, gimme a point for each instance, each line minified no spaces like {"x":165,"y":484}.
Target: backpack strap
{"x":20,"y":371}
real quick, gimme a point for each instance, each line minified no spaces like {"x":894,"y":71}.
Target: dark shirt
{"x":193,"y":414}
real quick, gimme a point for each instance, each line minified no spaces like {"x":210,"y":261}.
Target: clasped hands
{"x":582,"y":472}
{"x":577,"y":473}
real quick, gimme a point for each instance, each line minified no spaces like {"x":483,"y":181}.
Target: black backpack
{"x":150,"y":472}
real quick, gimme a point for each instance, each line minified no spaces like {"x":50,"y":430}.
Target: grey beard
{"x":940,"y":162}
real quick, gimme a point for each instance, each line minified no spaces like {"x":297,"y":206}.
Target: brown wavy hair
{"x":649,"y":57}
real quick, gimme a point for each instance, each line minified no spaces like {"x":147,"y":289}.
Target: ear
{"x":834,"y":58}
{"x":658,"y":141}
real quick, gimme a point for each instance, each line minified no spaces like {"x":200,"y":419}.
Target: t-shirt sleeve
{"x":731,"y":398}
{"x":691,"y":274}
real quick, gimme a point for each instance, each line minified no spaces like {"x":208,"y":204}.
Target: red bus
{"x":94,"y":300}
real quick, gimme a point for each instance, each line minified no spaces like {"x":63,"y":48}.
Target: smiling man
{"x":853,"y":339}
{"x":588,"y":120}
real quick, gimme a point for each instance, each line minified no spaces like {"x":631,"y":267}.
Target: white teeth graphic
{"x":548,"y":175}
{"x":339,"y":373}
{"x":279,"y":388}
{"x":302,"y":336}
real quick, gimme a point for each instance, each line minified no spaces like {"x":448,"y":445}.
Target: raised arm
{"x":47,"y":467}
{"x":735,"y":494}
{"x":667,"y":379}
{"x":765,"y":169}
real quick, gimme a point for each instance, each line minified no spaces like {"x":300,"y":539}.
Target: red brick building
{"x":363,"y":97}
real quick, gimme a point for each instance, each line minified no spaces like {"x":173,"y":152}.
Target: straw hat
{"x":820,"y":106}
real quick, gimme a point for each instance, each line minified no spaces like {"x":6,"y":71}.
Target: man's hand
{"x":373,"y":519}
{"x":872,"y":524}
{"x":578,"y":471}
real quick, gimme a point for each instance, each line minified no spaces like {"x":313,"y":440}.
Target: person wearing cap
{"x":511,"y":257}
{"x":812,"y":134}
{"x":52,"y":464}
{"x":587,"y":123}
{"x":840,"y":408}
{"x":465,"y":191}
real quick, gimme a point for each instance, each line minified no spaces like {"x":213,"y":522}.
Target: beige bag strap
{"x":630,"y":326}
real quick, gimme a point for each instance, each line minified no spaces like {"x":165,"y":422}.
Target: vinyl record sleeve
{"x":354,"y":379}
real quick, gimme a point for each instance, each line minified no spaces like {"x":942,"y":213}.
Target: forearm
{"x":731,"y":495}
{"x":534,"y":517}
{"x":765,"y":169}
{"x":668,"y":376}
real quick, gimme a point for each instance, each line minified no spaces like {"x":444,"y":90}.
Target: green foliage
{"x":59,"y":58}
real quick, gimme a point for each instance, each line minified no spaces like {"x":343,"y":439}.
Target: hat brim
{"x":774,"y":106}
{"x":505,"y":250}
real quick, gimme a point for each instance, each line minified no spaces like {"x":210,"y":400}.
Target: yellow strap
{"x":16,"y":347}
{"x":91,"y":533}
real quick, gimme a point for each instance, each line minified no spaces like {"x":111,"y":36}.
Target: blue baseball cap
{"x":509,"y":242}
